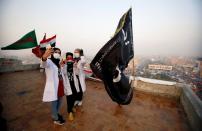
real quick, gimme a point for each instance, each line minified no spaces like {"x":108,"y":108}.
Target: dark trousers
{"x":70,"y":102}
{"x":71,"y":98}
{"x":79,"y":95}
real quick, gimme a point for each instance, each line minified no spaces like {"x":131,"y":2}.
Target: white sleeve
{"x":83,"y":60}
{"x":44,"y":64}
{"x":63,"y":69}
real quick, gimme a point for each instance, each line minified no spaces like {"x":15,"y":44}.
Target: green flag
{"x":27,"y":41}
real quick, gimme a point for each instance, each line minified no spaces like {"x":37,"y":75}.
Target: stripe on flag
{"x":48,"y":41}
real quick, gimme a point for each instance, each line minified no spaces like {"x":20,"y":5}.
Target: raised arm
{"x":44,"y":63}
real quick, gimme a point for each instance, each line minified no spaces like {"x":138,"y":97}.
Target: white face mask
{"x":76,"y":55}
{"x":56,"y":55}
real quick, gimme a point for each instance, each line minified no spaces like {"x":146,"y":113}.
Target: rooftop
{"x":21,"y":96}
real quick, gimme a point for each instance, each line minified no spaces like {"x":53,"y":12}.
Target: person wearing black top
{"x":70,"y":87}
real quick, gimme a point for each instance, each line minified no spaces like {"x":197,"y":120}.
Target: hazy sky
{"x":168,"y":27}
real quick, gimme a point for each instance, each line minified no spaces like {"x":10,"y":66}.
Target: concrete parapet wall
{"x":12,"y":65}
{"x":192,"y":106}
{"x":173,"y":91}
{"x":18,"y":67}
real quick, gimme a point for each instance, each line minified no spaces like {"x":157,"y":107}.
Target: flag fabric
{"x":37,"y":51}
{"x":112,"y":59}
{"x":40,"y":49}
{"x":44,"y":38}
{"x":27,"y":41}
{"x":50,"y":41}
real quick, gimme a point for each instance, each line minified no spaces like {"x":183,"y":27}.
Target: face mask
{"x":76,"y":55}
{"x":56,"y":56}
{"x":69,"y":59}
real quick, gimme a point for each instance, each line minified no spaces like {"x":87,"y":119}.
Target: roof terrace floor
{"x":21,"y":95}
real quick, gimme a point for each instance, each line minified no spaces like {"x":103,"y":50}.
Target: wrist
{"x":43,"y":59}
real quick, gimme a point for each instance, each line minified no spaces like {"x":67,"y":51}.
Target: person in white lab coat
{"x":53,"y":82}
{"x":71,"y":87}
{"x":80,"y":75}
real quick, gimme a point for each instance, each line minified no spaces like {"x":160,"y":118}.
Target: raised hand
{"x":47,"y":53}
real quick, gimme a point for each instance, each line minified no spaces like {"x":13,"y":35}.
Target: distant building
{"x":160,"y":67}
{"x":200,"y":66}
{"x":188,"y":66}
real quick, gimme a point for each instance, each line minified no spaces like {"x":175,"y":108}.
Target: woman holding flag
{"x":54,"y":89}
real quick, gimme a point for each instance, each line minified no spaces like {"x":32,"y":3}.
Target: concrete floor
{"x":21,"y":94}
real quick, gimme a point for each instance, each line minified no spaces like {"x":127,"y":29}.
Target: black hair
{"x":81,"y":52}
{"x":55,"y":48}
{"x":69,"y":53}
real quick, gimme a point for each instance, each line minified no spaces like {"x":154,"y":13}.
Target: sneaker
{"x":80,"y":103}
{"x":59,"y":122}
{"x":70,"y":116}
{"x":61,"y":118}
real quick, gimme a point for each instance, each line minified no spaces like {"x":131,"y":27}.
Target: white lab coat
{"x":52,"y":81}
{"x":79,"y":68}
{"x":67,"y":86}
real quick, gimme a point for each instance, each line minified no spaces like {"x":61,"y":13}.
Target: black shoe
{"x":60,"y":120}
{"x":60,"y":117}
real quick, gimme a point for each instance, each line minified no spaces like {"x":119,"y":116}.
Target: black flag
{"x":113,"y":58}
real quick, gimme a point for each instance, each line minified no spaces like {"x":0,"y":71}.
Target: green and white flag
{"x":27,"y":41}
